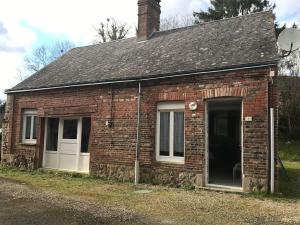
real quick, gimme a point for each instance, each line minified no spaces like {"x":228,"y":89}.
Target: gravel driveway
{"x":22,"y":204}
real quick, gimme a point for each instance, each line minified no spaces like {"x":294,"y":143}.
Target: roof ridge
{"x":175,"y":29}
{"x":105,"y":43}
{"x":235,"y":17}
{"x":212,"y":21}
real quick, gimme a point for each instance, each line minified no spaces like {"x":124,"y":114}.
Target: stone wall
{"x":171,"y":176}
{"x":7,"y":123}
{"x":112,"y":148}
{"x":113,"y":171}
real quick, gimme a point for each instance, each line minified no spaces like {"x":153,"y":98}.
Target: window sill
{"x":84,"y":153}
{"x":29,"y":144}
{"x":170,"y":161}
{"x":51,"y":151}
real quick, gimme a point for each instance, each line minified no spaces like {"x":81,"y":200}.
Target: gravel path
{"x":22,"y":204}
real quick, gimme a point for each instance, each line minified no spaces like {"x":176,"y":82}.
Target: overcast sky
{"x":25,"y":24}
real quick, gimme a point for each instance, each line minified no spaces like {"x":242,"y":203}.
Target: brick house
{"x":186,"y":106}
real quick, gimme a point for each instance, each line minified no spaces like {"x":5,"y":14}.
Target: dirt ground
{"x":24,"y":211}
{"x":21,"y":204}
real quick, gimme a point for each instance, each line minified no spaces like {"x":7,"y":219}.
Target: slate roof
{"x":227,"y":43}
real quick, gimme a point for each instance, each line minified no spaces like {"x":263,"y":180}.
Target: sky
{"x":27,"y":24}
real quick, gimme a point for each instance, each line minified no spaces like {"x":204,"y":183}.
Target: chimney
{"x":149,"y":18}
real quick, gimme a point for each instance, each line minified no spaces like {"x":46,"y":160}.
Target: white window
{"x":170,"y":132}
{"x":29,"y":126}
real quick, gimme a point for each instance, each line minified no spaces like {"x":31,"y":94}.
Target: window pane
{"x":70,"y":129}
{"x":164,"y":134}
{"x":52,"y":134}
{"x":27,"y":127}
{"x":34,"y":127}
{"x":86,"y":128}
{"x":179,"y":134}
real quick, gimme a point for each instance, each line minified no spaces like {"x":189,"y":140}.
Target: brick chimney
{"x":149,"y":18}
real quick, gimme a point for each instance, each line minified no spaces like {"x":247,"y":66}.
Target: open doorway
{"x":224,"y":142}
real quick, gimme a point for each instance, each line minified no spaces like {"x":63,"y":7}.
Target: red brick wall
{"x":115,"y":145}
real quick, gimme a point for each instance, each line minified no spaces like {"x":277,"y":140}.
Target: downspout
{"x":272,"y":163}
{"x":269,"y":137}
{"x":137,"y":150}
{"x":271,"y":134}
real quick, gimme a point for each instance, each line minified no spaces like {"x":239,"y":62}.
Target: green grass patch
{"x":290,"y":187}
{"x":70,"y":183}
{"x":289,"y":151}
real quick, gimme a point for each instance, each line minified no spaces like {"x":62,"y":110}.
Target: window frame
{"x":32,"y":114}
{"x":76,"y":137}
{"x":170,"y":107}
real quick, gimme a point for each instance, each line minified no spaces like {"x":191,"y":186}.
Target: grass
{"x":69,"y":183}
{"x":289,"y":151}
{"x":290,"y":186}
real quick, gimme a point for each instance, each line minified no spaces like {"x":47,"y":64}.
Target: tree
{"x":176,"y":22}
{"x":111,"y":30}
{"x":2,"y":110}
{"x":289,"y":88}
{"x":221,"y":9}
{"x":279,"y":29}
{"x":45,"y":54}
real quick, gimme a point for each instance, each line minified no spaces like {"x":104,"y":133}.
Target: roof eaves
{"x":152,"y":77}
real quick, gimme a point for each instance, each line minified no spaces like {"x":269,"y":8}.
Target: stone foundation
{"x":148,"y":175}
{"x":7,"y":158}
{"x":18,"y":161}
{"x":117,"y":172}
{"x":170,"y":177}
{"x":255,"y":184}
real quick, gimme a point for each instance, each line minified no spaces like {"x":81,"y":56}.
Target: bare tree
{"x":289,"y":86}
{"x":44,"y":54}
{"x":40,"y":57}
{"x":111,"y":30}
{"x":174,"y":22}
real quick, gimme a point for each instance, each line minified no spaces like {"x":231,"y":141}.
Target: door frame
{"x":206,"y":120}
{"x":59,"y":141}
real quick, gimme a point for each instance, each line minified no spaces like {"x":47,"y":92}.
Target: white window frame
{"x":169,"y":107}
{"x":28,"y":113}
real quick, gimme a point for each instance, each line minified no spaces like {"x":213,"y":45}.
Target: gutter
{"x":153,"y":77}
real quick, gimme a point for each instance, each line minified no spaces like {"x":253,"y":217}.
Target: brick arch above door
{"x":223,"y":92}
